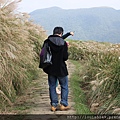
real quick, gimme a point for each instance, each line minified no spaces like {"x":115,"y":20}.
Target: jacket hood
{"x":56,"y":42}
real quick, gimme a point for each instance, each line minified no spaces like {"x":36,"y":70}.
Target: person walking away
{"x":58,"y":69}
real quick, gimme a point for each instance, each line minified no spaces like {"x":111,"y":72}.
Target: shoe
{"x":53,"y":108}
{"x":62,"y":107}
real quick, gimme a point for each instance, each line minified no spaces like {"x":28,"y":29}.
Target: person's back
{"x":59,"y":56}
{"x":58,"y":69}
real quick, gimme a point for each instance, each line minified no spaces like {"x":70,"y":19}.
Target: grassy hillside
{"x":99,"y":74}
{"x":19,"y":39}
{"x":99,"y":24}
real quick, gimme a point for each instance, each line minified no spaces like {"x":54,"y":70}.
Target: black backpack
{"x":45,"y":56}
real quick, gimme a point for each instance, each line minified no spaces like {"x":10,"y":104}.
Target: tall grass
{"x":102,"y":72}
{"x":17,"y":51}
{"x":105,"y":80}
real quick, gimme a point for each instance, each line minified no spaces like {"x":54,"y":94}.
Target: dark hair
{"x":58,"y":30}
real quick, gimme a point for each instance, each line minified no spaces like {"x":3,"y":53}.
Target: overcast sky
{"x":31,"y":5}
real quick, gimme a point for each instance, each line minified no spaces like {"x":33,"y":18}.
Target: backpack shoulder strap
{"x":47,"y":40}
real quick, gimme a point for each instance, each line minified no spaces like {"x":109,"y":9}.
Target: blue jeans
{"x":63,"y":81}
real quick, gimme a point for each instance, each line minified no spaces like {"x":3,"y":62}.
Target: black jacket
{"x":59,"y":51}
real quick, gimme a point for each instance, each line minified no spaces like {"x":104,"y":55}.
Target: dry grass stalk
{"x":6,"y":98}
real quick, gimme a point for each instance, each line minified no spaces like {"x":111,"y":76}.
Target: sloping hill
{"x":99,"y":24}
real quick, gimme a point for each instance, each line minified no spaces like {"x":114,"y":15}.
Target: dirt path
{"x":36,"y":99}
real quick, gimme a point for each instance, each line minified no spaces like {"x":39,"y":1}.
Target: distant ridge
{"x":98,"y":23}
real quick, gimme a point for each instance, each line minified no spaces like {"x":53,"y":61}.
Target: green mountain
{"x":100,"y":23}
